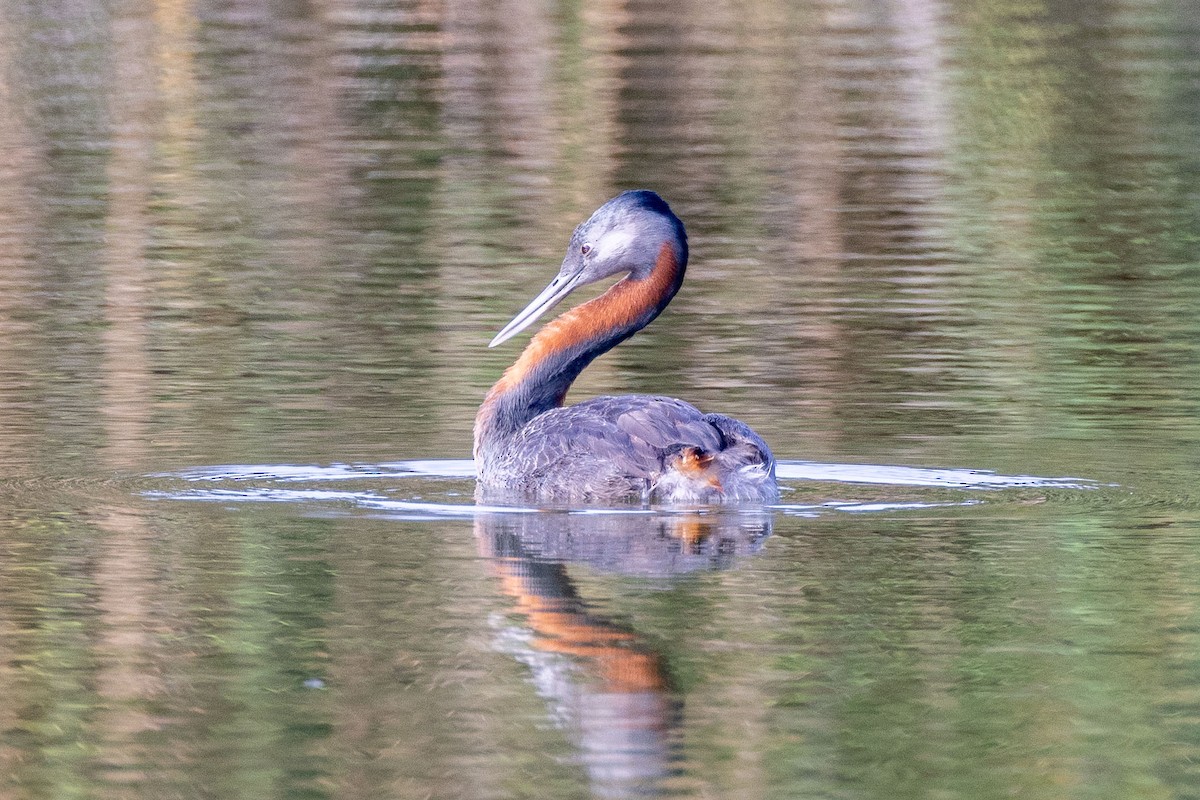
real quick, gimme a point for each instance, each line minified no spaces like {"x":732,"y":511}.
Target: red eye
{"x":585,"y":249}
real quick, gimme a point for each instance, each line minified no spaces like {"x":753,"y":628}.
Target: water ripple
{"x":414,"y":507}
{"x":921,"y":476}
{"x":786,"y":470}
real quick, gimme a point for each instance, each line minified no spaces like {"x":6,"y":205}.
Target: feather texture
{"x":633,"y":447}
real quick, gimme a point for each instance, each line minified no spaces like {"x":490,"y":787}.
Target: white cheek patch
{"x":613,"y":243}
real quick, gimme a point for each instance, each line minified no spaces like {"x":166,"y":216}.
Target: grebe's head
{"x":623,"y":236}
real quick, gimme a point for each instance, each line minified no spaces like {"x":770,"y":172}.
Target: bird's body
{"x":620,"y":448}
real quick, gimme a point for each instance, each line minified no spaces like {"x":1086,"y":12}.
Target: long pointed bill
{"x":559,"y":288}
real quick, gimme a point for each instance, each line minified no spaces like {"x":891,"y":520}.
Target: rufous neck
{"x":539,"y":380}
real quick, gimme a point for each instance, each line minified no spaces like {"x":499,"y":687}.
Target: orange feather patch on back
{"x":695,"y":463}
{"x":619,"y":307}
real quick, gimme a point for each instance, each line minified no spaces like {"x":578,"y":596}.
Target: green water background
{"x":928,"y":234}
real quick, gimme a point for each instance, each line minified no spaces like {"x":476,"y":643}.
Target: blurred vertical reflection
{"x":21,"y":170}
{"x":132,"y":111}
{"x":606,"y":685}
{"x":127,"y":657}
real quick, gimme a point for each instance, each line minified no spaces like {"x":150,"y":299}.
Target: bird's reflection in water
{"x":606,"y":685}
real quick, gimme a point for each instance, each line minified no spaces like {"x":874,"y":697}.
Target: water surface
{"x":945,"y":259}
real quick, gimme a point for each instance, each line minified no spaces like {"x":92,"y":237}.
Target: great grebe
{"x":609,"y":449}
